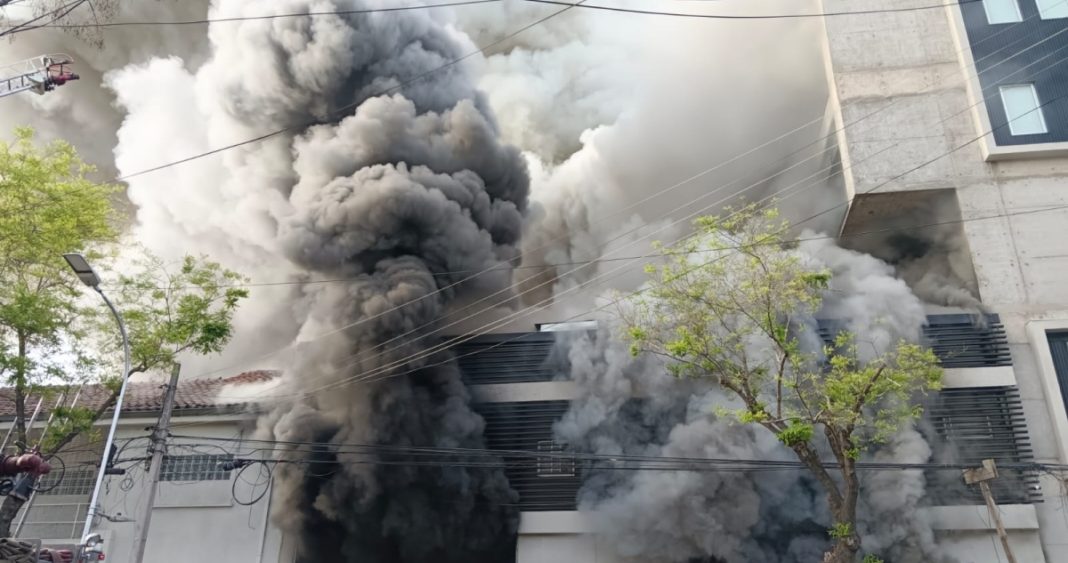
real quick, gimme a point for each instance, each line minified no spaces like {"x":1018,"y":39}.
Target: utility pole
{"x":980,"y":476}
{"x":157,"y":449}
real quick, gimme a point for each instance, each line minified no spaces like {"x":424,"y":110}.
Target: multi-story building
{"x":958,"y":115}
{"x":520,"y":391}
{"x":950,"y":123}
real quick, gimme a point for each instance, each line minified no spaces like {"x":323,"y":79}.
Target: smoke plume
{"x":632,"y":406}
{"x":402,"y":195}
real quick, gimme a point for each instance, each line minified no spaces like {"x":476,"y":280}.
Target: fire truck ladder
{"x":39,"y":74}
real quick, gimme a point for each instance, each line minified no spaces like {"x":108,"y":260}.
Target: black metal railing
{"x":549,"y":483}
{"x":968,"y":425}
{"x":507,"y":358}
{"x":959,"y":341}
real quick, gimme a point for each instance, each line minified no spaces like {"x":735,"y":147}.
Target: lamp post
{"x":85,"y":273}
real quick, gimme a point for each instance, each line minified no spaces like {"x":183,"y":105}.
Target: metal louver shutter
{"x":542,"y":484}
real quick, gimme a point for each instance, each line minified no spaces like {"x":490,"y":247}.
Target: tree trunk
{"x":844,"y":550}
{"x":20,"y":392}
{"x":8,"y":509}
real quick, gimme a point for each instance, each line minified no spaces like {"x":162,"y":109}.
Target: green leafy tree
{"x":55,"y":336}
{"x":725,"y":306}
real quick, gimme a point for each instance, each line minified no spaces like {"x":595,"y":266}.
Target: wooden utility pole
{"x":157,"y":449}
{"x":980,"y":476}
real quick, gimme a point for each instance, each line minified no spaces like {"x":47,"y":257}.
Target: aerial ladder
{"x":39,"y":74}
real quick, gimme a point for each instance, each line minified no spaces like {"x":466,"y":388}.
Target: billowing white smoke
{"x":84,"y":112}
{"x":632,"y":406}
{"x":614,"y":108}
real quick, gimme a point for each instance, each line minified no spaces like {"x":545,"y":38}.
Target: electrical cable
{"x":347,"y":107}
{"x":379,"y":449}
{"x":394,"y":88}
{"x":233,"y":486}
{"x":603,"y":259}
{"x":440,"y":347}
{"x":309,"y":14}
{"x":753,"y":17}
{"x":207,"y":21}
{"x":59,"y":480}
{"x":644,"y":462}
{"x":56,"y":13}
{"x":653,"y":195}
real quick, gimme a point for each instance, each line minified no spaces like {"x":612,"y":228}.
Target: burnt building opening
{"x":921,"y":234}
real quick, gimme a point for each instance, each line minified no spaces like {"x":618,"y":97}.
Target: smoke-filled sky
{"x":606,"y":109}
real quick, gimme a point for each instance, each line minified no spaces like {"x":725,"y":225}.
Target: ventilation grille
{"x":506,"y":358}
{"x":542,"y":484}
{"x":959,"y":341}
{"x":973,"y":424}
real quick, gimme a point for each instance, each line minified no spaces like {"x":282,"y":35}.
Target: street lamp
{"x":85,"y":273}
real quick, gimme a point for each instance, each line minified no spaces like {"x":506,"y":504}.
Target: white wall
{"x":192,"y":521}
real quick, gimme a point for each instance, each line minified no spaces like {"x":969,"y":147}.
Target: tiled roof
{"x":148,"y":396}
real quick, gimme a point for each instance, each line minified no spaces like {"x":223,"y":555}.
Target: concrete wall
{"x":197,"y":520}
{"x":907,"y":95}
{"x":558,"y":537}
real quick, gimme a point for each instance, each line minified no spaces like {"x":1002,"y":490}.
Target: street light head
{"x":82,"y":268}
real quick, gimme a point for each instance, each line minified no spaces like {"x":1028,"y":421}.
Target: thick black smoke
{"x":404,"y":194}
{"x":397,"y":196}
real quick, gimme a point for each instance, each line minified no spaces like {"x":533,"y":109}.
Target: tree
{"x":52,"y":335}
{"x":727,"y":305}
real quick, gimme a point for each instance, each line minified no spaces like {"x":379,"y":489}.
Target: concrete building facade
{"x":951,"y":124}
{"x":956,"y":115}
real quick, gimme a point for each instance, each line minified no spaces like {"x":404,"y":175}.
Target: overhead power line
{"x":311,"y":14}
{"x":291,"y":15}
{"x":678,"y":184}
{"x":347,"y":107}
{"x":449,"y":455}
{"x":752,"y":16}
{"x":387,"y":371}
{"x":652,"y":255}
{"x":566,"y":6}
{"x":55,"y":15}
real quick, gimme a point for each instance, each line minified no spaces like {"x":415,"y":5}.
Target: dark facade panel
{"x":1030,"y":51}
{"x":959,"y":341}
{"x":965,"y":341}
{"x":968,"y":425}
{"x":543,"y":484}
{"x":963,"y":426}
{"x":507,"y":358}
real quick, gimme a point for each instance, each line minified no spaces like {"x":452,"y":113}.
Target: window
{"x":557,"y":464}
{"x":571,"y":325}
{"x":1002,"y":11}
{"x":73,"y":481}
{"x":195,"y":468}
{"x":1052,"y":9}
{"x":1058,"y":347}
{"x":1023,"y":110}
